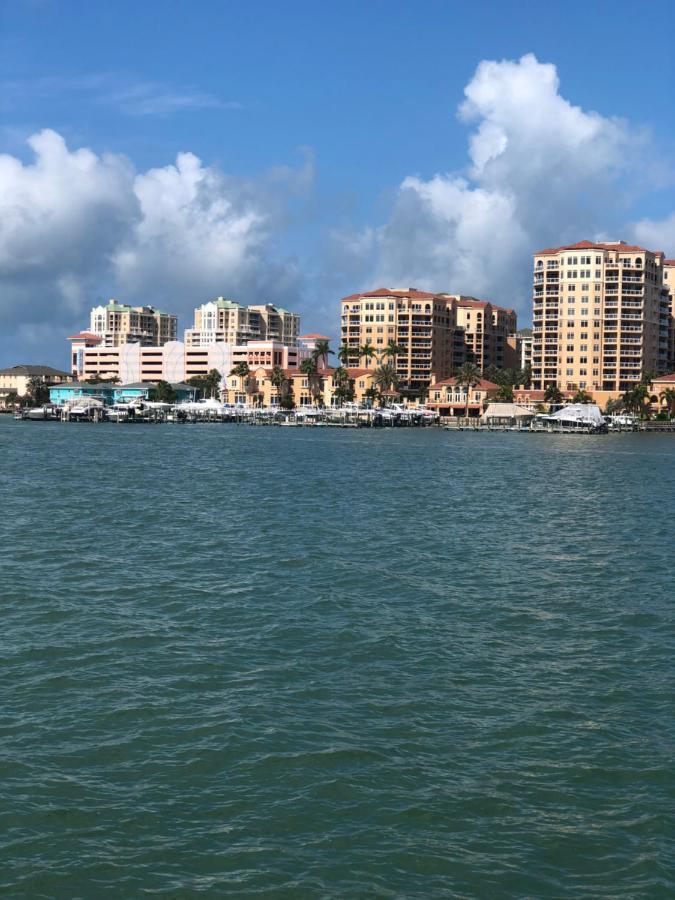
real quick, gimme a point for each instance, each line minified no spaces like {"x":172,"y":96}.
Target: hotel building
{"x":600,"y":316}
{"x":117,"y":324}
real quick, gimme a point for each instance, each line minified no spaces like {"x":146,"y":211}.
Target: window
{"x":570,"y":371}
{"x":598,"y":260}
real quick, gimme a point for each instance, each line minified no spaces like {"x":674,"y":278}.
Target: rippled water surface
{"x":311,"y":663}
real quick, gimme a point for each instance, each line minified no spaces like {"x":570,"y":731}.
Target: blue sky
{"x":326,"y":150}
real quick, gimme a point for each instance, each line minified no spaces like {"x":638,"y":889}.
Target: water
{"x":311,"y":663}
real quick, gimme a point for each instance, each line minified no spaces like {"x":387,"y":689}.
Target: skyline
{"x":346,"y":152}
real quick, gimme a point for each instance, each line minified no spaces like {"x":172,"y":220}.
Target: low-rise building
{"x":17,"y":379}
{"x":111,"y":393}
{"x":449,"y":398}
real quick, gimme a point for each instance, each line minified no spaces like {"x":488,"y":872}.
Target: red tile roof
{"x":669,"y":378}
{"x":483,"y":384}
{"x":313,"y":337}
{"x":621,"y":246}
{"x":358,"y":373}
{"x":411,"y":293}
{"x":669,"y":262}
{"x":85,"y":335}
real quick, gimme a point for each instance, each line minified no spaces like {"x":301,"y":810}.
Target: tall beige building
{"x":422,"y":324}
{"x":228,"y":322}
{"x":600,"y":316}
{"x":486,"y":330}
{"x":117,"y":324}
{"x":669,"y":285}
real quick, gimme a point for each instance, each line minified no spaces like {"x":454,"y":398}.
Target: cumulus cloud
{"x":540,"y":171}
{"x":77,"y":227}
{"x":657,"y":234}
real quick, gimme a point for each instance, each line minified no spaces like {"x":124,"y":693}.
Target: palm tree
{"x":469,"y":376}
{"x":37,"y":390}
{"x":505,"y":393}
{"x":309,"y":368}
{"x":321,"y":352}
{"x":278,"y":380}
{"x":553,"y":394}
{"x":668,"y":397}
{"x":242,"y":371}
{"x":582,"y":396}
{"x":371,"y":394}
{"x":345,"y":353}
{"x":164,"y":393}
{"x":392,"y":350}
{"x":385,"y":377}
{"x":367,"y":352}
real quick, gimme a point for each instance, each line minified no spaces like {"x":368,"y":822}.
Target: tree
{"x":242,"y":371}
{"x":321,"y":353}
{"x":553,"y":394}
{"x":637,"y":399}
{"x":469,"y":376}
{"x":582,"y":396}
{"x":38,"y":390}
{"x":367,"y":352}
{"x":287,"y":402}
{"x":392,"y":350}
{"x":668,"y":398}
{"x":11,"y":399}
{"x":164,"y":393}
{"x":505,"y":393}
{"x":371,"y":394}
{"x":345,"y":353}
{"x":278,"y":380}
{"x":309,"y":368}
{"x":385,"y":377}
{"x":614,"y":406}
{"x":525,"y":376}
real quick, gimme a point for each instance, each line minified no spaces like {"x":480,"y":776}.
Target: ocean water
{"x":269,"y":662}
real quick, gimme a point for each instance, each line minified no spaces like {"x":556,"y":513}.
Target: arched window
{"x":638,"y":262}
{"x":540,"y":263}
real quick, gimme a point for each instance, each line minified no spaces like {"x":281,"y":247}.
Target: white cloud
{"x":657,"y":234}
{"x":540,"y":171}
{"x":77,"y":227}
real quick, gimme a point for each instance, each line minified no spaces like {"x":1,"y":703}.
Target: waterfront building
{"x":257,"y":387}
{"x":114,"y":393}
{"x":600,"y":316}
{"x":435,"y":333}
{"x":449,"y":398}
{"x":421,"y":324}
{"x":16,"y":379}
{"x":117,"y":324}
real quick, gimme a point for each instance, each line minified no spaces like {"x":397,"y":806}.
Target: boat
{"x":584,"y":418}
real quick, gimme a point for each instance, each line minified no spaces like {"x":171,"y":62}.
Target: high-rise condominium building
{"x":486,"y":330}
{"x":600,"y":316}
{"x":117,"y":324}
{"x":669,"y":285}
{"x":421,"y":324}
{"x":226,"y":321}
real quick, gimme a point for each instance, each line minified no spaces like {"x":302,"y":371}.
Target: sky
{"x":170,"y":152}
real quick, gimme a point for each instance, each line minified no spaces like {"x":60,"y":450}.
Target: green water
{"x":307,"y":663}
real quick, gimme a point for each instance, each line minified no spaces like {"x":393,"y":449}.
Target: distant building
{"x":114,"y":393}
{"x":16,"y":379}
{"x":117,"y":323}
{"x":223,"y":321}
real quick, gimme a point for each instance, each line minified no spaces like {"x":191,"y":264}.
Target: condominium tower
{"x":600,"y":316}
{"x":435,"y":333}
{"x":117,"y":324}
{"x":229,"y":322}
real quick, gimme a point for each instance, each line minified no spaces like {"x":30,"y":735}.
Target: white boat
{"x":580,"y":417}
